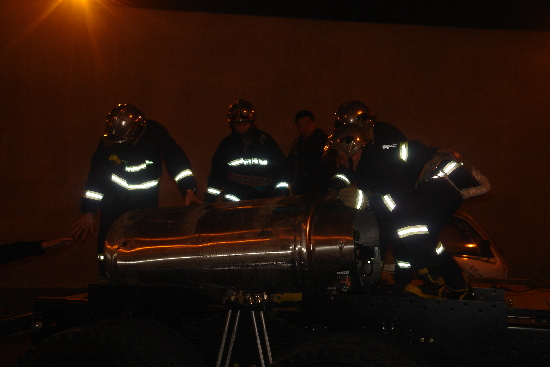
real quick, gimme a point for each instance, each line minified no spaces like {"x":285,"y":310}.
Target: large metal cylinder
{"x":271,"y":245}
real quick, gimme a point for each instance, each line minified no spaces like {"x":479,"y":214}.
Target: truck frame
{"x":212,"y":315}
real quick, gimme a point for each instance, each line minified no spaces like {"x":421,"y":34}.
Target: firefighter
{"x":356,"y":112}
{"x":248,"y":163}
{"x":309,"y":174}
{"x":125,"y":172}
{"x":418,"y":189}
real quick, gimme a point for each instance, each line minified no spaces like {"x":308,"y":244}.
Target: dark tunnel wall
{"x":483,"y":93}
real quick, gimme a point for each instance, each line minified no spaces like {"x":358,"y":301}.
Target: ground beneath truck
{"x":524,"y":298}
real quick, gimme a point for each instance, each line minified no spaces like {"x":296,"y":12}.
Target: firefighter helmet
{"x":349,"y":139}
{"x":353,"y":112}
{"x":124,"y":123}
{"x":241,"y":111}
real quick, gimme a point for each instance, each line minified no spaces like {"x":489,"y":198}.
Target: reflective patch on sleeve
{"x":361,"y":200}
{"x":213,"y":191}
{"x":282,"y":185}
{"x":412,"y":230}
{"x":232,"y":197}
{"x":183,"y":174}
{"x":93,"y":195}
{"x":404,"y":150}
{"x":343,"y":178}
{"x":440,"y":248}
{"x":403,"y":264}
{"x":390,"y":204}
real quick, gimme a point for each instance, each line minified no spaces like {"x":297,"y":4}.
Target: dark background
{"x":471,"y":76}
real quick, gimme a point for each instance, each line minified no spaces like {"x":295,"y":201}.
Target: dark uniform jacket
{"x":414,"y":191}
{"x":386,"y":138}
{"x":390,"y":170}
{"x":247,"y":166}
{"x":126,"y":176}
{"x":309,"y":174}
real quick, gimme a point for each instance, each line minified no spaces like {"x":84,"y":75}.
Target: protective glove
{"x":354,"y":198}
{"x":483,"y":187}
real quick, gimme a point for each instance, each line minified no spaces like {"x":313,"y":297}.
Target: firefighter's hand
{"x":483,"y":187}
{"x":190,"y":197}
{"x":48,"y":245}
{"x":83,"y":227}
{"x":354,"y":198}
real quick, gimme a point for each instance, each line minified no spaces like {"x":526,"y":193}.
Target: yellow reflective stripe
{"x":139,"y":167}
{"x":343,"y":178}
{"x":440,"y":248}
{"x":183,"y":174}
{"x":232,"y":197}
{"x":122,"y":182}
{"x":248,"y":161}
{"x":403,"y":264}
{"x":412,"y":230}
{"x":404,"y":150}
{"x":390,"y":204}
{"x":213,"y":191}
{"x":281,"y":185}
{"x":448,"y":169}
{"x":93,"y":195}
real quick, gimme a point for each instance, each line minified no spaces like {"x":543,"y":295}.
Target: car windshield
{"x":461,"y":239}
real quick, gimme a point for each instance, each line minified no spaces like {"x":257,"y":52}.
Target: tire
{"x":122,"y":342}
{"x":350,"y":349}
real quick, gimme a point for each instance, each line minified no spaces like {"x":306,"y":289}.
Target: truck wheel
{"x":349,"y":349}
{"x":113,"y":343}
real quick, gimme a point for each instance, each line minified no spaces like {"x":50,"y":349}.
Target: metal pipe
{"x":271,"y":245}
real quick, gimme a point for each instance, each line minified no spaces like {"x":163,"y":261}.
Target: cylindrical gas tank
{"x":278,"y":245}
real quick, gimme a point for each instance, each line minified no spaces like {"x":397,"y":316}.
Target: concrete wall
{"x":483,"y":93}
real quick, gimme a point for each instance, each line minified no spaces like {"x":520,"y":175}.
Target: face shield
{"x":348,"y":140}
{"x":124,"y":123}
{"x":240,"y":114}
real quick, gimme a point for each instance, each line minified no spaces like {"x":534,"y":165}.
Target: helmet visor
{"x":348,"y":139}
{"x":124,"y":123}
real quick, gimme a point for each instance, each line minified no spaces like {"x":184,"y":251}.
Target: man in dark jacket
{"x":126,"y":169}
{"x":309,"y":174}
{"x":248,"y":163}
{"x":21,"y":249}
